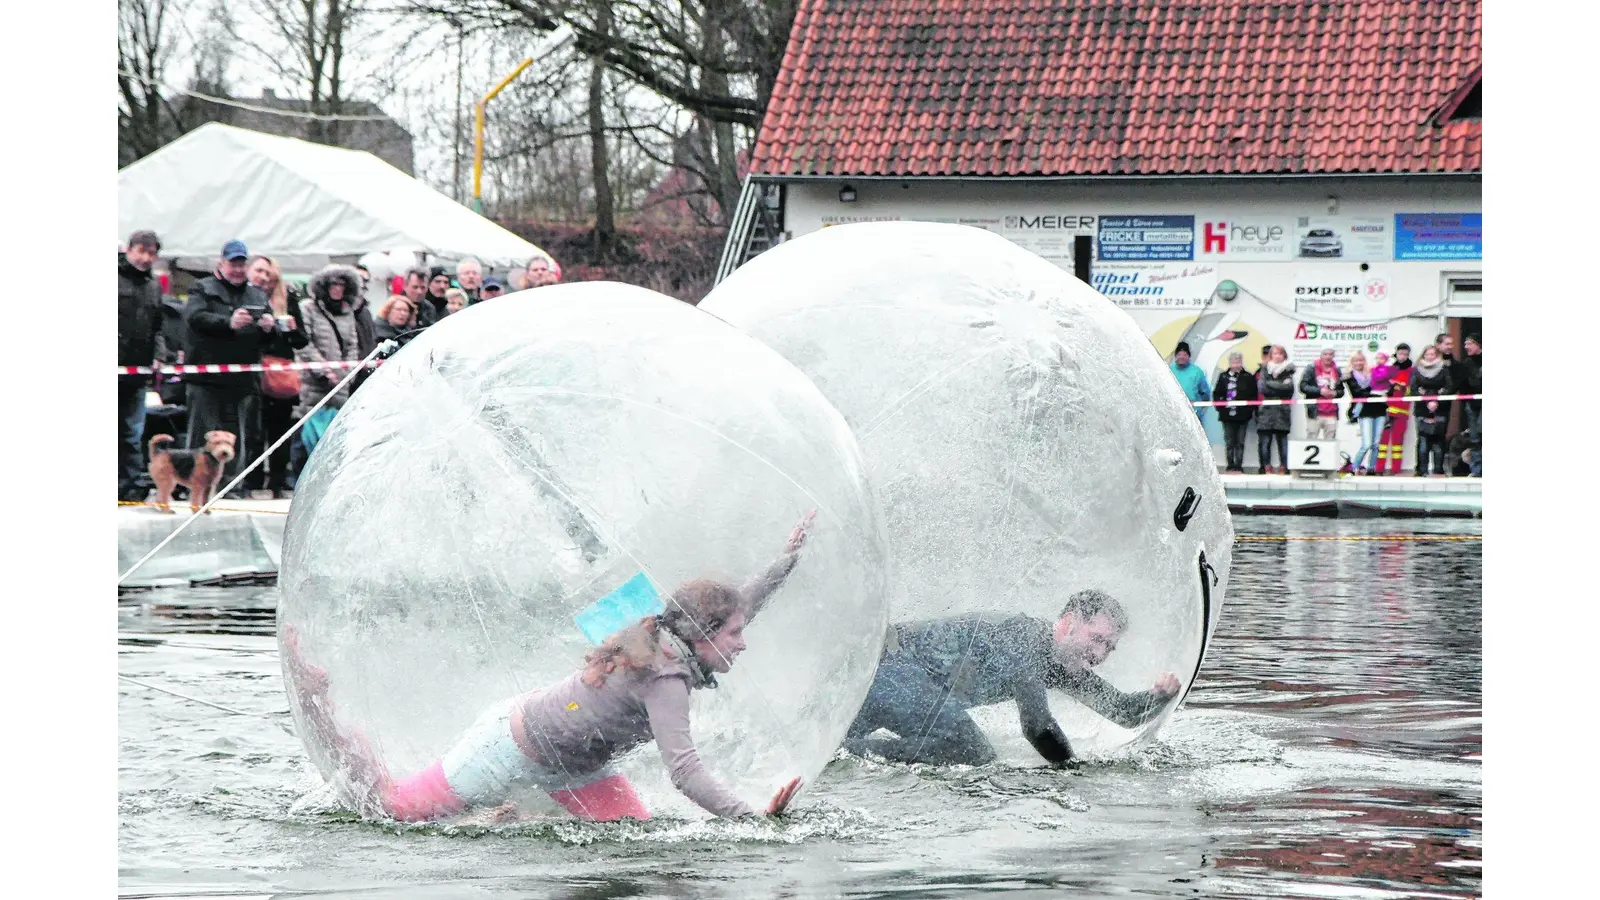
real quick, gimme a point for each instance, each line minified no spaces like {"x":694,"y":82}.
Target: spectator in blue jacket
{"x":1191,"y":379}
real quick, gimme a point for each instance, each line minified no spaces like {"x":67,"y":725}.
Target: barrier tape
{"x":231,"y":368}
{"x":1307,"y":401}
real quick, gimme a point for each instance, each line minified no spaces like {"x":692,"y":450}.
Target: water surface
{"x":1329,"y":749}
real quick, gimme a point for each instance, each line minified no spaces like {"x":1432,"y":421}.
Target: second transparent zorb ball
{"x":1027,"y":441}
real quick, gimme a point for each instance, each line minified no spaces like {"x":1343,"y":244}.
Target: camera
{"x":256,"y":312}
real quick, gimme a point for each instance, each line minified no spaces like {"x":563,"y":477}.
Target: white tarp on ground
{"x":298,"y":200}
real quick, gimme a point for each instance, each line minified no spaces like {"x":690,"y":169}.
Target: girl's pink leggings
{"x":427,"y":795}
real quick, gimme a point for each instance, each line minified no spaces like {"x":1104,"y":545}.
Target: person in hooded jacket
{"x":230,"y":321}
{"x":140,"y":342}
{"x":1272,"y":422}
{"x":339,"y":328}
{"x":1234,"y":383}
{"x":1430,"y":378}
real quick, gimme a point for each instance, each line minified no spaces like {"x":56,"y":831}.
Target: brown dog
{"x":198,"y":470}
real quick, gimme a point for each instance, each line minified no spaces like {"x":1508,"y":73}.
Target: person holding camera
{"x":230,"y":321}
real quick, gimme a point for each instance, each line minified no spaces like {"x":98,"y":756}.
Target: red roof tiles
{"x":1124,"y":87}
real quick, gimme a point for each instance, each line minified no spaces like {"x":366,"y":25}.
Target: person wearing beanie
{"x":438,"y":284}
{"x":1191,"y":379}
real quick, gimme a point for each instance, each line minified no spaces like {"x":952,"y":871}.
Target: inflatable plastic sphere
{"x":532,"y":474}
{"x":1025,"y":437}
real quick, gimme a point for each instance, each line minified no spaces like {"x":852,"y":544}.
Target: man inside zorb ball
{"x":1058,"y":526}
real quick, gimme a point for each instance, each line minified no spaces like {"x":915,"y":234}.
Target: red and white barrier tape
{"x":1298,"y":401}
{"x":231,"y":368}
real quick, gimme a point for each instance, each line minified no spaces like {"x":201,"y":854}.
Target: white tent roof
{"x":292,"y":198}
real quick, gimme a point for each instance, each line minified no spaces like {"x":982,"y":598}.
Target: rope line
{"x":229,"y":101}
{"x":384,"y":347}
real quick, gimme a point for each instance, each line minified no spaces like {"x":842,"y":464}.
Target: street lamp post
{"x":558,"y":39}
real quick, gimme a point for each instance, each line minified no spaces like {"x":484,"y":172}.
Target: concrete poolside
{"x":242,"y":539}
{"x":1354,"y":496}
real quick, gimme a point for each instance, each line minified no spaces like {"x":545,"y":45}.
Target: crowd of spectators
{"x":1374,"y":405}
{"x":247,"y":312}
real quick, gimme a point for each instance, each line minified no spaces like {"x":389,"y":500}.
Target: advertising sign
{"x":1244,"y":239}
{"x":1341,"y":296}
{"x":1310,"y":339}
{"x":1438,"y":236}
{"x":1362,"y":239}
{"x":1047,"y":233}
{"x":1164,"y":286}
{"x":1146,"y":238}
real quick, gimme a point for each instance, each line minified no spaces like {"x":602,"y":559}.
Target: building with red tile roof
{"x":1162,"y":148}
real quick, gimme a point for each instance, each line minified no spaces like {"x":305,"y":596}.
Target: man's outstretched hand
{"x":780,"y":800}
{"x":1166,"y":686}
{"x":797,"y":538}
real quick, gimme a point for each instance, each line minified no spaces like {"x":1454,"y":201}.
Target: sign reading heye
{"x":1438,"y":236}
{"x":1146,"y":238}
{"x":1244,"y":238}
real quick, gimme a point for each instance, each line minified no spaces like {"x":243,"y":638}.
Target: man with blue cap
{"x":229,"y":320}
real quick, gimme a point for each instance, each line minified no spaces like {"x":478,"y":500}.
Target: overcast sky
{"x":424,"y":65}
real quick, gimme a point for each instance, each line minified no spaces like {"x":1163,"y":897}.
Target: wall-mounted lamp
{"x":1333,"y":205}
{"x":847,"y":194}
{"x":1227,"y":290}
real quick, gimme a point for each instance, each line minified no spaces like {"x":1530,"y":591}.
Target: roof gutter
{"x":1127,"y":179}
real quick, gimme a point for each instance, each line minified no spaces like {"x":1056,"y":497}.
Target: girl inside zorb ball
{"x":561,"y":526}
{"x":1058,"y":529}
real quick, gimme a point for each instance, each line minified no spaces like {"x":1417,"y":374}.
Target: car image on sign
{"x":1321,"y":242}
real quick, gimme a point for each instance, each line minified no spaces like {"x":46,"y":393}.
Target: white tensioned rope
{"x":383,"y":347}
{"x":238,"y":104}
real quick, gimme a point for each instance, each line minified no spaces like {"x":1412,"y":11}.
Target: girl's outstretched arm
{"x":758,"y":590}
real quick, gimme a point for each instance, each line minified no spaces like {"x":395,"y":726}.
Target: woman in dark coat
{"x":1272,"y":422}
{"x":277,"y":406}
{"x":1235,"y":383}
{"x":1431,"y":377}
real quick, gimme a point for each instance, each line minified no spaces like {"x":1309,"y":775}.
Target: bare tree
{"x":307,"y":45}
{"x":605,"y":207}
{"x":147,"y":32}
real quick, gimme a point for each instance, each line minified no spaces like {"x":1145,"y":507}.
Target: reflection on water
{"x":1330,"y":748}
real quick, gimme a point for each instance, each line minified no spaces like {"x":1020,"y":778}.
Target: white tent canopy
{"x":297,"y":200}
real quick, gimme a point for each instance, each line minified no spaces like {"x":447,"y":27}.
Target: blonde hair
{"x":455,"y":294}
{"x":697,"y":611}
{"x":383,"y":309}
{"x":278,"y":297}
{"x":1351,"y":362}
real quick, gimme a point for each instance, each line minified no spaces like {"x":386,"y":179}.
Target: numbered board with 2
{"x":1315,"y":456}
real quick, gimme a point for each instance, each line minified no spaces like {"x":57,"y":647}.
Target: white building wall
{"x":1363,"y":297}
